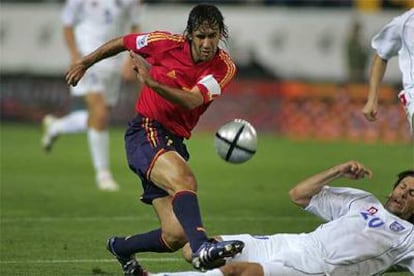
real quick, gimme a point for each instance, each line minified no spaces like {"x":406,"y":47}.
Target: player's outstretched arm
{"x":378,"y":68}
{"x":302,"y":193}
{"x":78,"y":69}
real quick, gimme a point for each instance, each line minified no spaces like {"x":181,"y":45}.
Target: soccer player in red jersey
{"x":181,"y":76}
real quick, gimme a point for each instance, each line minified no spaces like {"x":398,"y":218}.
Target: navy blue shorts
{"x":145,"y":140}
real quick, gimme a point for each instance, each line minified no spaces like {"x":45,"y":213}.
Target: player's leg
{"x":103,"y":90}
{"x":98,"y":139}
{"x":239,"y":269}
{"x":214,"y":272}
{"x":74,"y":122}
{"x":144,"y":142}
{"x":156,"y":155}
{"x":242,"y":269}
{"x":159,"y":158}
{"x":172,"y":173}
{"x":169,"y":239}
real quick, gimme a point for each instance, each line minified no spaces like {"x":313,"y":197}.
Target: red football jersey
{"x":172,"y":65}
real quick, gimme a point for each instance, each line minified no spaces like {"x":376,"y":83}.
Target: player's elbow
{"x":192,"y":103}
{"x":192,"y":99}
{"x":298,"y":198}
{"x":189,"y":105}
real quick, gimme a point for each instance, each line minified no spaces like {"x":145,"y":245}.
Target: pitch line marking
{"x":86,"y":261}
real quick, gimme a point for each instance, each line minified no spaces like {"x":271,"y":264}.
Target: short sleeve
{"x":70,"y":12}
{"x":147,"y":44}
{"x":333,"y":202}
{"x":388,"y":41}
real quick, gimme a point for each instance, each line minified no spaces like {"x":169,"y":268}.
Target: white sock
{"x":214,"y":272}
{"x":99,"y":149}
{"x":74,"y":122}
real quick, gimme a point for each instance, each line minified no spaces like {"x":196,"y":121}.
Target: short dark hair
{"x":205,"y":13}
{"x":403,"y":175}
{"x":400,"y":177}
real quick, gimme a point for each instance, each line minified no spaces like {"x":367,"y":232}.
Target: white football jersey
{"x":397,"y":38}
{"x":98,"y":21}
{"x":360,"y":238}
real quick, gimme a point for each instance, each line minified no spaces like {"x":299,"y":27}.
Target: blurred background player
{"x":396,"y":38}
{"x":86,"y":25}
{"x":361,"y":237}
{"x":186,"y":74}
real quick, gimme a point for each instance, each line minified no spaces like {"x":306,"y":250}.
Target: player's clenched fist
{"x":354,"y":169}
{"x":75,"y":73}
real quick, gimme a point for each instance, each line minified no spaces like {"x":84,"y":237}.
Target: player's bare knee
{"x":98,"y":120}
{"x":186,"y":183}
{"x":101,"y":119}
{"x":191,"y":183}
{"x":174,"y":240}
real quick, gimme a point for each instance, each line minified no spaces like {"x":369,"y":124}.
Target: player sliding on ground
{"x":361,"y":236}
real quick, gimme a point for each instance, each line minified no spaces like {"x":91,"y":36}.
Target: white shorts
{"x":407,"y":99}
{"x":96,"y":80}
{"x":273,"y":253}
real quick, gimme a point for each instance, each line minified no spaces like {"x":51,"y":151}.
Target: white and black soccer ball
{"x":236,"y":141}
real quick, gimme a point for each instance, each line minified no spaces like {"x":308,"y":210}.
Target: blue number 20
{"x":373,"y":222}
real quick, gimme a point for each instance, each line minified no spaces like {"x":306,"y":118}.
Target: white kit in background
{"x":94,"y":22}
{"x":397,"y":38}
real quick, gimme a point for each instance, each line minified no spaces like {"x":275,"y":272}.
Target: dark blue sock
{"x":147,"y":242}
{"x":187,"y":211}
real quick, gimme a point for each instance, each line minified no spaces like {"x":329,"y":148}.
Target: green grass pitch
{"x":55,"y":222}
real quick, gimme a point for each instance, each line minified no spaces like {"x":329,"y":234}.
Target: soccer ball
{"x":236,"y":141}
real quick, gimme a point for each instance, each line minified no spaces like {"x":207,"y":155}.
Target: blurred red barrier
{"x":299,"y":110}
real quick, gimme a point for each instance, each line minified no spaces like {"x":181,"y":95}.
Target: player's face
{"x":204,"y":42}
{"x":401,"y":200}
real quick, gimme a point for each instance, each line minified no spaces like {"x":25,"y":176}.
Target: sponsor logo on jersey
{"x":141,"y":41}
{"x":396,"y":226}
{"x":171,"y":74}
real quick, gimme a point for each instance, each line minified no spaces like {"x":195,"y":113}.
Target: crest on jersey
{"x":396,"y":226}
{"x":141,"y":41}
